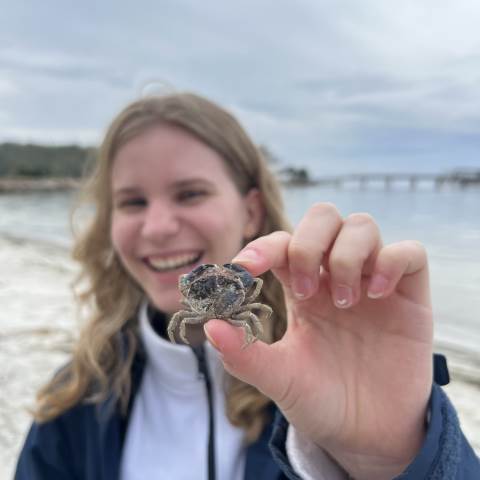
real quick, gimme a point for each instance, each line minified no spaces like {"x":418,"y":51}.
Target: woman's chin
{"x":166,"y":305}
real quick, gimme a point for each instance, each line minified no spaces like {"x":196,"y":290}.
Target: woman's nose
{"x":161,"y":220}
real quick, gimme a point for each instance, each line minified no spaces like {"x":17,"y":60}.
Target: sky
{"x":333,"y":86}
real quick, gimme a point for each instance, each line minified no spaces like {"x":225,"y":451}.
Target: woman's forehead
{"x":158,"y":156}
{"x":180,"y":174}
{"x":160,"y":136}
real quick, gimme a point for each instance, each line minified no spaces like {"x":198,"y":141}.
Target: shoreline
{"x":29,"y":184}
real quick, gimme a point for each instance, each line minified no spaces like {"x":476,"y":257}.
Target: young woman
{"x":341,"y":383}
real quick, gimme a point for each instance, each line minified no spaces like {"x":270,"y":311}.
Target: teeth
{"x":173,"y":262}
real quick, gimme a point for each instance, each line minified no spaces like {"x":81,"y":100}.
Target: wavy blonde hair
{"x":103,"y":355}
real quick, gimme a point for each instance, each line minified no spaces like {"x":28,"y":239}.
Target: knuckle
{"x":279,"y":236}
{"x":405,"y":250}
{"x":325,"y":209}
{"x":417,"y":247}
{"x":360,"y":219}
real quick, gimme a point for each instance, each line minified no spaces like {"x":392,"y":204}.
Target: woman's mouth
{"x":173,"y":262}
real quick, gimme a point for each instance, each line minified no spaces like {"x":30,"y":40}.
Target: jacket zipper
{"x":203,"y":372}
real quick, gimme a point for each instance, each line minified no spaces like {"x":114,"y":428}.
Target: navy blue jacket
{"x":85,"y":443}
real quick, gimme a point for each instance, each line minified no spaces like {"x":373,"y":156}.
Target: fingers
{"x":269,"y":252}
{"x":351,"y":257}
{"x":403,"y":267}
{"x":295,"y":259}
{"x":310,"y":243}
{"x":349,"y":249}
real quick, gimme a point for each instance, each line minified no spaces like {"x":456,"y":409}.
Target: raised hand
{"x":353,"y":372}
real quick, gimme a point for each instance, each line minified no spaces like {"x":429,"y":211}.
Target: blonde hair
{"x":102,"y":358}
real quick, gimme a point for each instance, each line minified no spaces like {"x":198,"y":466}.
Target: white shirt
{"x":170,"y":415}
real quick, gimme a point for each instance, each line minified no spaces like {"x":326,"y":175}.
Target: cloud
{"x":326,"y":84}
{"x":7,"y":87}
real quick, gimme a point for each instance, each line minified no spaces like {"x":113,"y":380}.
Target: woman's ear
{"x":255,"y":213}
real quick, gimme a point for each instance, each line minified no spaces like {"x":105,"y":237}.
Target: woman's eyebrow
{"x":192,"y":182}
{"x":126,"y":191}
{"x":132,"y":190}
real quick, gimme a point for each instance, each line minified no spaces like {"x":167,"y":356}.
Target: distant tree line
{"x":287,"y":175}
{"x":295,"y":176}
{"x":39,"y":161}
{"x":72,"y":161}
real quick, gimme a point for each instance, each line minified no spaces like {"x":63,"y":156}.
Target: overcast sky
{"x":336,"y":86}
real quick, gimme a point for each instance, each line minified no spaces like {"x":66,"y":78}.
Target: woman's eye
{"x":132,"y":202}
{"x":191,"y":195}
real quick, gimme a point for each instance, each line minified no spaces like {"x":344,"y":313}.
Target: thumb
{"x":258,"y":364}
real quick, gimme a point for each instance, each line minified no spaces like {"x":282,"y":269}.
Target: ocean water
{"x":447,"y":222}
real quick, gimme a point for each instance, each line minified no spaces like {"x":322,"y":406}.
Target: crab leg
{"x":257,"y":286}
{"x":260,"y":306}
{"x":249,"y":336}
{"x":255,"y":321}
{"x":182,"y":317}
{"x":189,"y":321}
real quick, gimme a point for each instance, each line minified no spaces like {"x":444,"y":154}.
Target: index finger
{"x":269,"y":252}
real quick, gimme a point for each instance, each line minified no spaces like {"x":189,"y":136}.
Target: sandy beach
{"x":37,"y":325}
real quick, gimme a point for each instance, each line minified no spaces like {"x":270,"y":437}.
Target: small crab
{"x":224,"y":292}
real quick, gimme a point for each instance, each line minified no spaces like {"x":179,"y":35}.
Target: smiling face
{"x":175,"y":206}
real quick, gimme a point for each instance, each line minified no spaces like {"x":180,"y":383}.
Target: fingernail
{"x":301,"y":286}
{"x":378,"y":286}
{"x":343,"y":296}
{"x":247,"y":255}
{"x":210,"y":339}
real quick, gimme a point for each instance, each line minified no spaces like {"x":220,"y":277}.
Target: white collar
{"x":175,"y":365}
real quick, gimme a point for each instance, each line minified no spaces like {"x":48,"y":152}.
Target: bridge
{"x":461,"y":179}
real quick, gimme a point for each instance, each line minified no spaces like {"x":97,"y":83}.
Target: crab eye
{"x":244,"y":275}
{"x":235,"y":267}
{"x":203,"y":267}
{"x":199,"y":270}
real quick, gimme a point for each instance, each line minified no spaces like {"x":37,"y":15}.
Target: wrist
{"x":368,"y":467}
{"x":392,"y":457}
